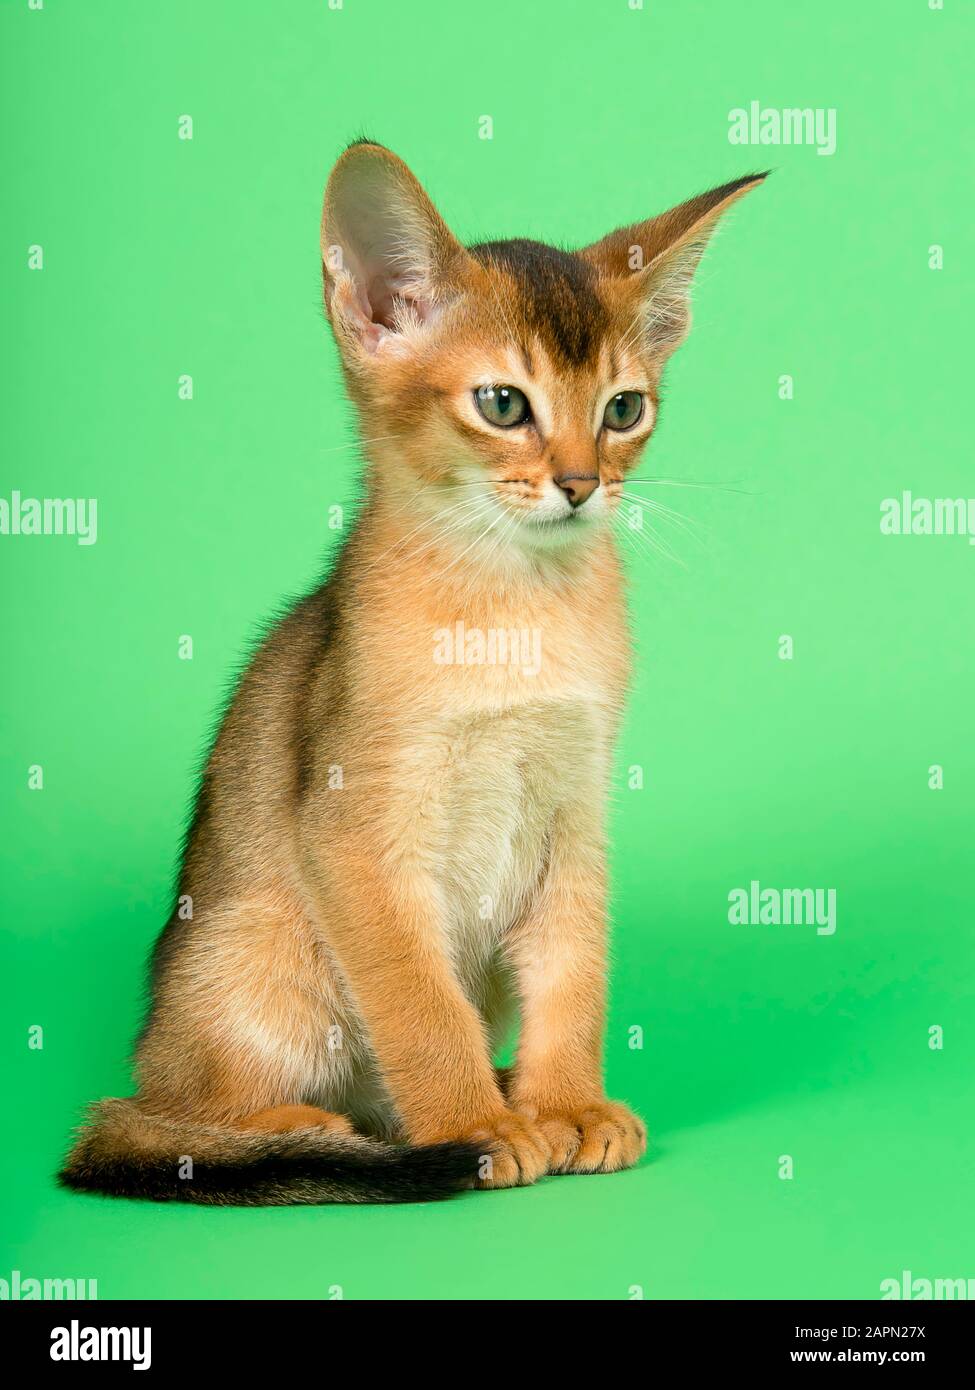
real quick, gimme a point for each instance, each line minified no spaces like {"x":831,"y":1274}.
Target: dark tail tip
{"x":284,"y":1172}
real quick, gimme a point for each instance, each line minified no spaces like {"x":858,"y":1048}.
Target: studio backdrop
{"x":792,"y":803}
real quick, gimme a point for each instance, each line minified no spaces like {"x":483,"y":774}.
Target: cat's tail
{"x":125,"y":1152}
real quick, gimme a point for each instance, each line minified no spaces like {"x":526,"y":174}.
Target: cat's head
{"x":513,"y":382}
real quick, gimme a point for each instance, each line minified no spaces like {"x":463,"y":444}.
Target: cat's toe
{"x":516,"y":1152}
{"x":598,"y":1138}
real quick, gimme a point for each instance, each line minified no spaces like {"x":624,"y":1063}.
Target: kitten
{"x":401,"y":829}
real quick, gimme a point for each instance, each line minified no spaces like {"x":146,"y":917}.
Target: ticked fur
{"x":394,"y":852}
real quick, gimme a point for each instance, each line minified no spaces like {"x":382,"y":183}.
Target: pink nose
{"x":577,"y":489}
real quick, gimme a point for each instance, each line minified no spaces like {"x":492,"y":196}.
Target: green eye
{"x":504,"y":406}
{"x":623,"y":411}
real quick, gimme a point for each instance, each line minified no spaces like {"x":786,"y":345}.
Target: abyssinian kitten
{"x":392,"y":851}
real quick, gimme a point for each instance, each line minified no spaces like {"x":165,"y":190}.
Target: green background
{"x":164,"y":257}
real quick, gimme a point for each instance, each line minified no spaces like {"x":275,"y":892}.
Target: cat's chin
{"x":557,"y":532}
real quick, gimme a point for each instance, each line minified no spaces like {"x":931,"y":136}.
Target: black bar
{"x":287,"y":1337}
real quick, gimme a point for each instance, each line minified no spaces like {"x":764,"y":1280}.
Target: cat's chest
{"x":496,"y":652}
{"x":509,"y":775}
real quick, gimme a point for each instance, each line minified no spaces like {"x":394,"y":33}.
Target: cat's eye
{"x":623,"y":411}
{"x":504,"y":406}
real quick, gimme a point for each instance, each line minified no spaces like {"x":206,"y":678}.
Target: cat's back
{"x":262,"y":754}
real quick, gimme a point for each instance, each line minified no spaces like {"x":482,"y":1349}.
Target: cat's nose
{"x":578,"y":487}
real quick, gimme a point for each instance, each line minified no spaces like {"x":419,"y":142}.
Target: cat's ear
{"x":389,"y":261}
{"x":655,"y":261}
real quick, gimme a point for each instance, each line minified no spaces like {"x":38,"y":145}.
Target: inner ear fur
{"x":656,"y":259}
{"x":389,"y":261}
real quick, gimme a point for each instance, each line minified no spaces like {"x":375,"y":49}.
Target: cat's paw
{"x":601,"y":1137}
{"x":515,"y":1152}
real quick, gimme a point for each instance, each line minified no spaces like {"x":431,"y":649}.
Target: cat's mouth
{"x":569,"y":520}
{"x":546,"y":529}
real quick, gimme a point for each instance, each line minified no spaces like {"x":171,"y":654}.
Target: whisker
{"x":465,"y":510}
{"x":358,"y":443}
{"x":650,"y":539}
{"x":477,"y":539}
{"x":680,"y":482}
{"x":677,"y":518}
{"x":502,"y":540}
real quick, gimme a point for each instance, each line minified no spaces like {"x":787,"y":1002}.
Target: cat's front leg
{"x":559,"y":954}
{"x":426,"y":1034}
